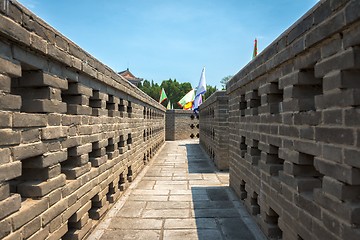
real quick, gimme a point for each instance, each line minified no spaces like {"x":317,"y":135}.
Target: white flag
{"x":201,"y":89}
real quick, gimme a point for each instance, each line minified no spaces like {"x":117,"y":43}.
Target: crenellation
{"x":293,"y":128}
{"x":64,"y":120}
{"x":74,"y":134}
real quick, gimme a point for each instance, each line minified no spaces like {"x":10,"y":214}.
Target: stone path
{"x":179,"y":195}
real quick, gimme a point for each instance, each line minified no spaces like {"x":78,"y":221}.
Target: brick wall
{"x":181,"y":124}
{"x":73,"y":133}
{"x":294,"y":127}
{"x":214,"y":129}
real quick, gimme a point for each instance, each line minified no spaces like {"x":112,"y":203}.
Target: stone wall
{"x":181,"y":124}
{"x":294,"y":127}
{"x":73,"y":133}
{"x":214,"y":129}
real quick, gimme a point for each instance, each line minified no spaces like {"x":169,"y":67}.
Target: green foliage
{"x":151,"y":89}
{"x":209,"y":90}
{"x":224,"y":80}
{"x":174,"y":90}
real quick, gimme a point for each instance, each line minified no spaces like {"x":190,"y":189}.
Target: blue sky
{"x":162,"y":39}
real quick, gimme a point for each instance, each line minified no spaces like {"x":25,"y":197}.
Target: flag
{"x":197,"y":102}
{"x":188,"y":105}
{"x":163,"y":96}
{"x":255,"y":48}
{"x":189,"y":97}
{"x":201,"y":89}
{"x":168,"y":105}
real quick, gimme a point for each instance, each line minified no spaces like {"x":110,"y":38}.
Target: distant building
{"x":130,"y":77}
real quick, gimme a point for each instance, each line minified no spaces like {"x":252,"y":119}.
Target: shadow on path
{"x":198,"y":162}
{"x":218,"y":217}
{"x":178,"y":196}
{"x":215,"y":208}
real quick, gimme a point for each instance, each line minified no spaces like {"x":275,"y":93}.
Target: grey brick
{"x":29,"y":120}
{"x":28,"y":150}
{"x":30,"y":135}
{"x":5,"y":227}
{"x":345,"y":211}
{"x":10,"y":171}
{"x":5,"y":155}
{"x":344,"y":173}
{"x":4,"y":190}
{"x":347,"y":59}
{"x":341,"y":79}
{"x":56,"y":210}
{"x":29,"y":58}
{"x":339,"y":189}
{"x":302,"y":77}
{"x":335,"y":135}
{"x":351,"y":36}
{"x":46,"y":160}
{"x":9,"y":102}
{"x":39,"y":93}
{"x":5,"y":83}
{"x":78,"y":88}
{"x":352,"y":117}
{"x":330,"y":26}
{"x":39,"y":188}
{"x":333,"y":117}
{"x":333,"y":153}
{"x":59,"y":54}
{"x":341,"y":98}
{"x":308,"y":147}
{"x":10,"y":205}
{"x":41,"y":79}
{"x":311,"y":118}
{"x":32,"y":227}
{"x":43,"y":174}
{"x":10,"y":68}
{"x":44,"y":106}
{"x":80,"y":150}
{"x":53,"y":132}
{"x":5,"y":119}
{"x":351,"y":157}
{"x":9,"y":137}
{"x":332,"y":46}
{"x":352,"y":11}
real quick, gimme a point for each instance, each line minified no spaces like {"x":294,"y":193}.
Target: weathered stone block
{"x":39,"y":188}
{"x":44,"y":106}
{"x":10,"y":205}
{"x":10,"y":170}
{"x":41,"y":79}
{"x":28,"y":150}
{"x":9,"y":137}
{"x":53,"y":132}
{"x":7,"y":67}
{"x":9,"y":102}
{"x":46,"y":160}
{"x":5,"y":83}
{"x":54,"y":211}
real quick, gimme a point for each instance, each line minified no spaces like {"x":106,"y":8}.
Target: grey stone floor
{"x":180,"y":195}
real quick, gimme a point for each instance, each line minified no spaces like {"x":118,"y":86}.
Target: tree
{"x":224,"y":81}
{"x":209,"y":91}
{"x":174,"y":90}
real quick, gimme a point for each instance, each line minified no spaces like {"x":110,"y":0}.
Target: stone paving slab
{"x":180,"y":195}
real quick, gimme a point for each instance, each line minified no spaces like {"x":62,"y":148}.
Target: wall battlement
{"x":214,"y":130}
{"x":294,"y":135}
{"x":73,"y":133}
{"x":181,"y":124}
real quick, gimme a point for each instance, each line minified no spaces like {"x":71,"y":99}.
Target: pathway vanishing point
{"x":180,"y":195}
